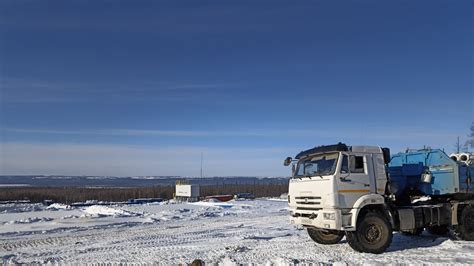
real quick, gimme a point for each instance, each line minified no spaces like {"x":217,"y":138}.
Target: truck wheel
{"x":465,"y":229}
{"x":440,"y":230}
{"x":325,"y":237}
{"x":373,"y":234}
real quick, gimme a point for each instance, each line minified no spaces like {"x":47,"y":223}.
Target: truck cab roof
{"x":337,"y":148}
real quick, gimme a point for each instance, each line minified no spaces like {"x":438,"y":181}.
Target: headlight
{"x":329,"y":216}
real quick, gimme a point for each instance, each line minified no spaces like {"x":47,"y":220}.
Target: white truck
{"x":362,"y":193}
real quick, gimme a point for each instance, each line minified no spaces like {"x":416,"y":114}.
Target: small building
{"x":186,"y":191}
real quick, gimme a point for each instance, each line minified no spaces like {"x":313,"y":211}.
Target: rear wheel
{"x":373,"y":234}
{"x":325,"y":237}
{"x":465,"y":228}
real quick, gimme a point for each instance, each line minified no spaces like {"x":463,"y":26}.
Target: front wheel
{"x":373,"y":234}
{"x":325,"y":237}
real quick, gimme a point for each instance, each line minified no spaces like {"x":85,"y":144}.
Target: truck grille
{"x":306,"y":215}
{"x":308,"y":203}
{"x":308,"y":197}
{"x":308,"y":209}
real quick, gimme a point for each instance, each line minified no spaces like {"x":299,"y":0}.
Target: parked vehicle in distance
{"x":363,"y":193}
{"x":222,"y":198}
{"x":244,"y":196}
{"x":144,"y":200}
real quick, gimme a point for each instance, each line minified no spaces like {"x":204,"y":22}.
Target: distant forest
{"x":70,"y":195}
{"x":111,"y":181}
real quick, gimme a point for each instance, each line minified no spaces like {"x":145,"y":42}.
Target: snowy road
{"x":240,"y":232}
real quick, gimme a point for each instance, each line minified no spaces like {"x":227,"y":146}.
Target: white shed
{"x":187,"y":190}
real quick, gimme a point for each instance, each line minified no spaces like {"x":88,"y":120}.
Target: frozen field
{"x":238,"y":232}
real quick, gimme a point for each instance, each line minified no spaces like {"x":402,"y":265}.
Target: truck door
{"x":354,"y":180}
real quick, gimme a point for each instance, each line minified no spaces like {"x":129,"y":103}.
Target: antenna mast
{"x":201,"y":164}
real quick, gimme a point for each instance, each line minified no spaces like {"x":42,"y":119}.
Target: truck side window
{"x":345,"y":165}
{"x":357,"y":164}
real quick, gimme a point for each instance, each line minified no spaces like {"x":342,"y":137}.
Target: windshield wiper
{"x":320,"y":175}
{"x":302,"y":176}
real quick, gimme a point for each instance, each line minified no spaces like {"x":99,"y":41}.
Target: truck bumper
{"x":324,"y":219}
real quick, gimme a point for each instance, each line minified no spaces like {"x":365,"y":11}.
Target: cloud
{"x":163,"y":19}
{"x":40,"y":91}
{"x":24,"y":157}
{"x":351,"y":133}
{"x":125,"y":160}
{"x":172,"y":133}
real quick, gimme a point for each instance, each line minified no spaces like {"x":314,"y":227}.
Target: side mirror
{"x":287,"y":161}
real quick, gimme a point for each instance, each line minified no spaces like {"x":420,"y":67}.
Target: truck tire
{"x":373,"y":234}
{"x":325,"y":237}
{"x":439,"y":230}
{"x":465,"y":229}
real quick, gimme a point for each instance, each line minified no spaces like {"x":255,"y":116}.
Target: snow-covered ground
{"x":236,"y":232}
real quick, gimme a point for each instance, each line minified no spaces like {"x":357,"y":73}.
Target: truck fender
{"x":366,"y":200}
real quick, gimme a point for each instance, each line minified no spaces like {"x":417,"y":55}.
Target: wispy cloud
{"x":34,"y":91}
{"x":25,"y":157}
{"x":168,"y":20}
{"x":127,"y":160}
{"x":384,"y":133}
{"x":180,"y":133}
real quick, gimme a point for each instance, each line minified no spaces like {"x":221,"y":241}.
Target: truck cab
{"x":330,"y":183}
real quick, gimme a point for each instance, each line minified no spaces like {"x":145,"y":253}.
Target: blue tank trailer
{"x":429,"y":172}
{"x":432,"y":190}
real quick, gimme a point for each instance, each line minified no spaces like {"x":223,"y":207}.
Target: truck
{"x":365,"y":194}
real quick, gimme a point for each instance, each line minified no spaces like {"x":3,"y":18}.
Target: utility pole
{"x":458,"y":146}
{"x":471,"y":137}
{"x":201,"y":165}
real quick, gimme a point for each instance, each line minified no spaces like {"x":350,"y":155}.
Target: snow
{"x":421,"y":199}
{"x":98,"y":211}
{"x":217,"y":204}
{"x":171,"y":233}
{"x":30,"y":220}
{"x":20,"y":207}
{"x":58,"y":206}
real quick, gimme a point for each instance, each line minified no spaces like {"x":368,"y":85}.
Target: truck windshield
{"x":321,"y":164}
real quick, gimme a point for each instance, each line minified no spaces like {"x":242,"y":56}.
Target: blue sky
{"x":143,"y":87}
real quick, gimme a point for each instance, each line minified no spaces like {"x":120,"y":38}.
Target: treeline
{"x":69,"y":195}
{"x":263,"y":190}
